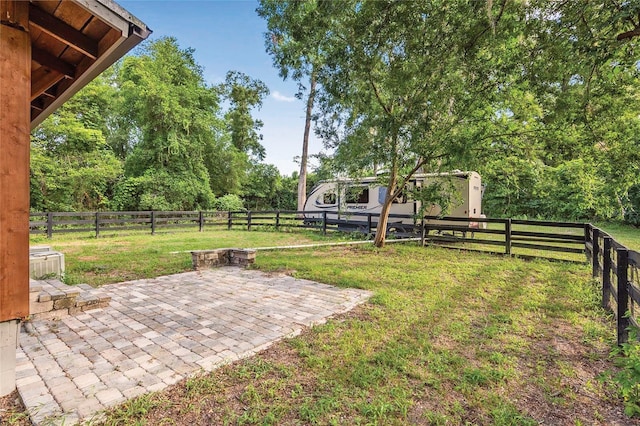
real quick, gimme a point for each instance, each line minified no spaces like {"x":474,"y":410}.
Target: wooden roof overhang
{"x":72,"y":41}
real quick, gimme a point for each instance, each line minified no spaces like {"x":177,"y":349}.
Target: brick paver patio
{"x":158,"y":331}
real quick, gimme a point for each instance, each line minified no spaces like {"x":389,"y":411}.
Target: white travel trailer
{"x":348,"y":202}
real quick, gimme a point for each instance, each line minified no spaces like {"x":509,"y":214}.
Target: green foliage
{"x":574,"y":189}
{"x":262,"y":185}
{"x":244,"y":94}
{"x":72,"y":166}
{"x":627,"y":358}
{"x":286,"y":194}
{"x":632,"y":214}
{"x":172,"y":106}
{"x":512,"y":187}
{"x":227,"y":167}
{"x":161,"y":190}
{"x":569,"y":148}
{"x":545,"y":110}
{"x":229,"y":202}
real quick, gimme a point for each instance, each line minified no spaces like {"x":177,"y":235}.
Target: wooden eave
{"x":72,"y":41}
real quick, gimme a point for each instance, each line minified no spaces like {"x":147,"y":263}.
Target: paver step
{"x":50,"y":299}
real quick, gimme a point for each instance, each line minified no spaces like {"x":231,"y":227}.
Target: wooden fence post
{"x":368,"y":223}
{"x":153,"y":223}
{"x":229,"y":220}
{"x":324,"y":223}
{"x":201,"y":221}
{"x":606,"y":273}
{"x":249,"y":220}
{"x":422,"y":231}
{"x":49,"y":224}
{"x":587,"y":240}
{"x":97,"y":224}
{"x":595,"y":253}
{"x":623,"y":295}
{"x":277,"y":220}
{"x":507,"y":237}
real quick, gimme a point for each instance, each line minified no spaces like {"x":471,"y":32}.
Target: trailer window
{"x":382,"y":195}
{"x":357,"y":195}
{"x":329,"y":198}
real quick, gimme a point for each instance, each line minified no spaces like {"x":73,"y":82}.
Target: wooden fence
{"x":508,"y":236}
{"x":615,"y":266}
{"x":617,"y":269}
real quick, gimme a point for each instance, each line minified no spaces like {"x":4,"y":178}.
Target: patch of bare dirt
{"x":281,"y":273}
{"x":571,"y":389}
{"x":12,"y":411}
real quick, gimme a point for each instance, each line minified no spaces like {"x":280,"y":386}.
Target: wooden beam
{"x":52,"y":62}
{"x":37,"y":104}
{"x":42,"y":80}
{"x":13,"y":14}
{"x":49,"y":93}
{"x":63,"y":32}
{"x":15,"y":90}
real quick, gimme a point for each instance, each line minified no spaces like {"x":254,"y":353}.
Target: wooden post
{"x":97,"y":224}
{"x":324,"y":223}
{"x":201,"y":221}
{"x":595,"y":253}
{"x":249,"y":220}
{"x":507,"y":237}
{"x":153,"y":223}
{"x":422,"y":232}
{"x":606,"y":273}
{"x":229,"y":220}
{"x":15,"y":123}
{"x":587,"y":240}
{"x":277,"y":220}
{"x":369,"y":224}
{"x":623,"y":295}
{"x":49,"y":224}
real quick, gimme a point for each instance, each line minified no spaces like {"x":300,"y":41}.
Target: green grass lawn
{"x":121,"y":257}
{"x":624,"y":234}
{"x":116,"y":257}
{"x":449,"y":338}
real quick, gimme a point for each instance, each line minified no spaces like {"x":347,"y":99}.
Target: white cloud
{"x":282,"y":98}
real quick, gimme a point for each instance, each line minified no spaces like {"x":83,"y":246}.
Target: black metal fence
{"x":617,"y":269}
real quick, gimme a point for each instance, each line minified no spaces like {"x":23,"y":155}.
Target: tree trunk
{"x":381,"y":229}
{"x":302,"y":178}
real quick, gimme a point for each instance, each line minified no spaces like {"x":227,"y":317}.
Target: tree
{"x":244,"y":94}
{"x":295,"y":55}
{"x":72,"y":166}
{"x":570,"y":115}
{"x":437,"y":85}
{"x":177,"y":117}
{"x":400,"y":81}
{"x":262,"y":186}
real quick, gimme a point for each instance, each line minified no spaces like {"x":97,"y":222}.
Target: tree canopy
{"x":520,"y":91}
{"x":150,"y":134}
{"x":540,"y":97}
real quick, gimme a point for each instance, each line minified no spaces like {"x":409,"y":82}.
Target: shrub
{"x":627,"y":357}
{"x":229,"y":202}
{"x":632,"y":213}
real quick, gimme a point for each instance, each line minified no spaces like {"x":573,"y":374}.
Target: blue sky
{"x":228,"y":35}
